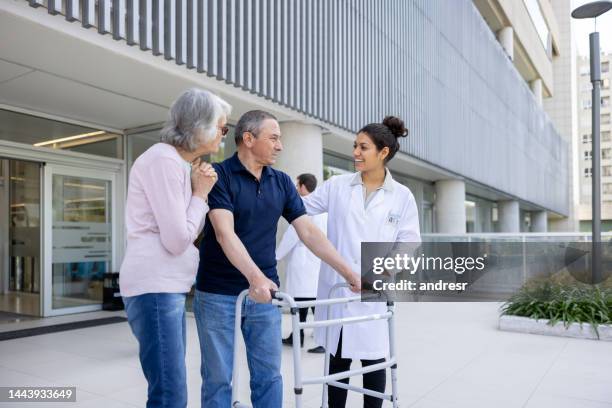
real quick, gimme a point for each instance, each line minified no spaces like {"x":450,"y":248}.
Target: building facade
{"x":85,"y":86}
{"x":584,"y":140}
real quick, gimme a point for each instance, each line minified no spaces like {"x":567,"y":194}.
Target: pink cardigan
{"x":162,"y":220}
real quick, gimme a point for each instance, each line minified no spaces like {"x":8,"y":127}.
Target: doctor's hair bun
{"x":386,"y":134}
{"x":396,"y":125}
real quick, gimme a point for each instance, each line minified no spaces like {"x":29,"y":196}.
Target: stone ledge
{"x":576,"y":330}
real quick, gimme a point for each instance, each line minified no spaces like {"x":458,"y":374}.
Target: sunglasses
{"x":224,"y":130}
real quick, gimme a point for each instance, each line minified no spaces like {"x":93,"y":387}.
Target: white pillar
{"x":302,"y":153}
{"x":505,"y":36}
{"x":539,"y":221}
{"x":302,"y":150}
{"x":536,"y":88}
{"x":450,"y":206}
{"x":508,"y":215}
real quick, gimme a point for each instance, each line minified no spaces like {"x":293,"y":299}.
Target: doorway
{"x":20,"y":238}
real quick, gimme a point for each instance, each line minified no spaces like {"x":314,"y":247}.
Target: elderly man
{"x":238,"y":252}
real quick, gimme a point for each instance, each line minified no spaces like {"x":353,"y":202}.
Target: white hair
{"x":193,"y":119}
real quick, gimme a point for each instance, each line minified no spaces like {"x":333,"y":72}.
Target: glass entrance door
{"x":20,"y":233}
{"x":79,"y":236}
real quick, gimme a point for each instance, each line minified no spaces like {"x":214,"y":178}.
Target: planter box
{"x":526,"y":325}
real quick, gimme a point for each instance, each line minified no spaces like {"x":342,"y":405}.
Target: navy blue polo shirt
{"x":257,"y":206}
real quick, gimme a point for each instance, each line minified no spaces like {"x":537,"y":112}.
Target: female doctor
{"x":367,"y":206}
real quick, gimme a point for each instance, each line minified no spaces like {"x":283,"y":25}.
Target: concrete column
{"x":450,"y":206}
{"x":508,"y":214}
{"x":505,"y":36}
{"x":536,"y":88}
{"x":539,"y":221}
{"x":302,"y":150}
{"x":302,"y":153}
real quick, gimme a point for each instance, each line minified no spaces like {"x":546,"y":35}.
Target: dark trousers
{"x":375,"y":381}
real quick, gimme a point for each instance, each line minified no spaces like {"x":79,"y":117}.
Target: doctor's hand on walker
{"x":354,"y":282}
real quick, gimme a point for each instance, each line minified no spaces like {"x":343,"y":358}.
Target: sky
{"x":582,"y":28}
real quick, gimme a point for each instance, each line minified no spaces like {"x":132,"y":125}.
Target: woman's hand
{"x":354,"y":283}
{"x":203,"y":178}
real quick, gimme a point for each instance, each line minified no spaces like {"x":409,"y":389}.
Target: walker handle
{"x":273,"y":294}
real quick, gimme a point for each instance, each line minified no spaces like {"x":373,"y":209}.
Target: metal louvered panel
{"x":435,"y":63}
{"x":201,"y":30}
{"x":192,"y":33}
{"x":157,"y":26}
{"x":72,"y":10}
{"x":263,"y":50}
{"x":118,"y":19}
{"x":240,"y":44}
{"x":221,"y":63}
{"x":180,"y":44}
{"x":169,"y":29}
{"x":54,"y":6}
{"x":212,"y":40}
{"x":145,"y":26}
{"x":132,"y":11}
{"x":277,"y":78}
{"x":230,"y":53}
{"x":88,"y":13}
{"x":104,"y":16}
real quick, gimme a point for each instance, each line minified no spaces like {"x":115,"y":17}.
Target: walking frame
{"x":284,"y":300}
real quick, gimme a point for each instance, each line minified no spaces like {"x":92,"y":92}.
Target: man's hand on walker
{"x":259,"y":289}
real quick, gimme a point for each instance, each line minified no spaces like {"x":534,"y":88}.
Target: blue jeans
{"x":158,"y":322}
{"x":261,"y":329}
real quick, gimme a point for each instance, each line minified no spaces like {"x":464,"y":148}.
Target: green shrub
{"x":578,"y":303}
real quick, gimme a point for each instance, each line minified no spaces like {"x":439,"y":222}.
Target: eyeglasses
{"x":224,"y":130}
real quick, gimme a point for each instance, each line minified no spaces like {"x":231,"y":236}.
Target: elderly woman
{"x":165,"y":212}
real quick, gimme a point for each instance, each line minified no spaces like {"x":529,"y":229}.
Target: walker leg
{"x":236,"y":363}
{"x":327,"y":358}
{"x":391,"y":324}
{"x":297,"y":370}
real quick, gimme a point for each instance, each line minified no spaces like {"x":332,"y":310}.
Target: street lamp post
{"x":594,"y":10}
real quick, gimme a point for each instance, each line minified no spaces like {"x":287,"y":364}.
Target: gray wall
{"x":435,"y":63}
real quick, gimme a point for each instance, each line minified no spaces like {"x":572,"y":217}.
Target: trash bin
{"x":111,"y":297}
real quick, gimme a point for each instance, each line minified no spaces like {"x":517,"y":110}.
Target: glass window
{"x":586,"y":138}
{"x":588,"y":154}
{"x":24,"y":237}
{"x":606,"y":153}
{"x":470,"y":216}
{"x":605,"y":118}
{"x":607,"y":171}
{"x":40,"y":132}
{"x":605,"y":135}
{"x":138,"y":143}
{"x":588,"y":172}
{"x":607,"y":188}
{"x":334,"y":165}
{"x":82,"y":245}
{"x":533,"y":7}
{"x":605,"y":101}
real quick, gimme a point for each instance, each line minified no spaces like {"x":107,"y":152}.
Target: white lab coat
{"x":302,"y":265}
{"x":348,"y":225}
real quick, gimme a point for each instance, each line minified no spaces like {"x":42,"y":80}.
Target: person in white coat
{"x":367,"y":206}
{"x":302,"y":265}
